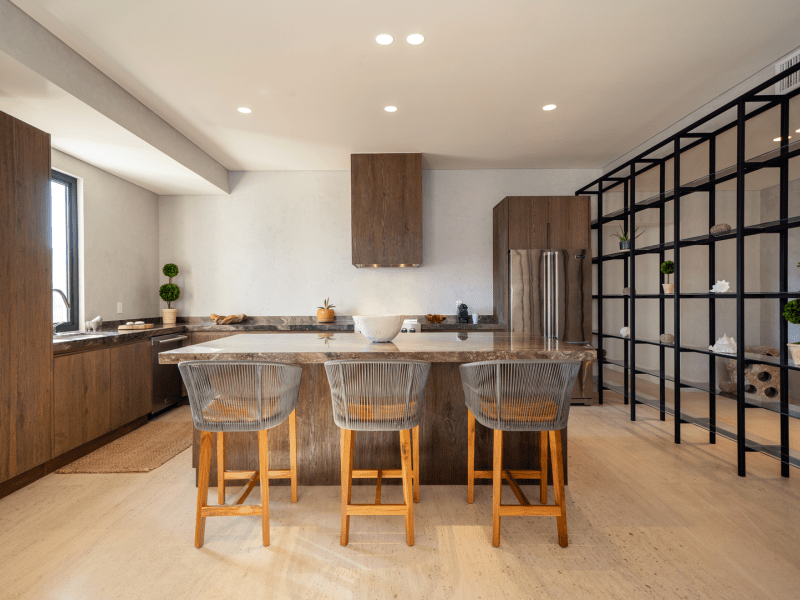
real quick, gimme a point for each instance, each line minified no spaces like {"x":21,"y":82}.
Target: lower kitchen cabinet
{"x":98,"y":391}
{"x":131,"y":383}
{"x":81,"y":398}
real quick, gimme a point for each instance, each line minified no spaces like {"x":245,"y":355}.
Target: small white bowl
{"x":379,"y":328}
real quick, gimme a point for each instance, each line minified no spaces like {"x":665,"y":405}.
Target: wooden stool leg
{"x":543,"y":467}
{"x":263,"y":468}
{"x":220,"y":467}
{"x":405,"y":459}
{"x":415,"y":436}
{"x":347,"y":481}
{"x":293,"y":452}
{"x":470,"y":456}
{"x":204,"y":468}
{"x":558,"y":486}
{"x":497,"y":485}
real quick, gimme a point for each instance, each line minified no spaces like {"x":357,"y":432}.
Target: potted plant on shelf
{"x":668,"y":268}
{"x":325,"y":312}
{"x":624,"y":238}
{"x":791,"y":312}
{"x":169,"y":292}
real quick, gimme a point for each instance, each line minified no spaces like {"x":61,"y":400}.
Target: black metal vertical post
{"x":676,"y":301}
{"x":600,"y":293}
{"x":712,"y":279}
{"x":783,"y":254}
{"x":631,"y":297}
{"x":625,"y":301}
{"x":740,"y":193}
{"x":662,"y":365}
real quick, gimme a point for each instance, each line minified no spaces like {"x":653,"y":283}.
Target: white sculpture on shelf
{"x":625,"y":332}
{"x":724,"y":345}
{"x":720,"y":287}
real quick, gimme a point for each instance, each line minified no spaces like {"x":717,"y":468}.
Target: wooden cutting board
{"x":145,"y":326}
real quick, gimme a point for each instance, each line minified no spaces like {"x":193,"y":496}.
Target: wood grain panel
{"x":386,"y":208}
{"x":131,"y":382}
{"x":443,"y":438}
{"x":528,"y":217}
{"x":82,"y":398}
{"x":25,"y":300}
{"x":500,"y":261}
{"x":198,"y":337}
{"x":569,"y":222}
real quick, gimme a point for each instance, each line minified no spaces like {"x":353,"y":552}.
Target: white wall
{"x":118,"y":232}
{"x":280,"y":243}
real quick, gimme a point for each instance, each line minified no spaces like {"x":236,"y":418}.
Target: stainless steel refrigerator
{"x":550,"y":294}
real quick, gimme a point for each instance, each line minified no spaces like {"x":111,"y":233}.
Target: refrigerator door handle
{"x":555,"y":294}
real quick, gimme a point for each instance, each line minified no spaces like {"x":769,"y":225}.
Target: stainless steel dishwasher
{"x":166,"y":378}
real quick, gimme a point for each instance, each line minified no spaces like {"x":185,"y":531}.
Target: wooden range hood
{"x":386,"y":209}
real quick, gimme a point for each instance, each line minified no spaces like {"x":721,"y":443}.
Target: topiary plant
{"x":668,"y":268}
{"x":169,"y":292}
{"x":791,"y":312}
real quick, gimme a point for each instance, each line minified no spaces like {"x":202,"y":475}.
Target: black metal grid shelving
{"x":623,"y":178}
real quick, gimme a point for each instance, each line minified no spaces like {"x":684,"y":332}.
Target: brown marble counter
{"x":433,"y":347}
{"x":103,"y":339}
{"x":342,"y":323}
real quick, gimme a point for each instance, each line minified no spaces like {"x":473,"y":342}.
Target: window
{"x":64,"y":242}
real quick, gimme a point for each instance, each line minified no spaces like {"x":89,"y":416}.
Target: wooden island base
{"x":443,"y":438}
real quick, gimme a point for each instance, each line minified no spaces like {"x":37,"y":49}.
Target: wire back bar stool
{"x":520,"y":395}
{"x":240,"y":396}
{"x":382,"y":395}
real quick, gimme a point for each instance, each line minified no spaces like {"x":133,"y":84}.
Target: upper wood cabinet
{"x":386,"y":209}
{"x":26,"y":335}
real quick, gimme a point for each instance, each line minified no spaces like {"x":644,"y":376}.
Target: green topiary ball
{"x":169,"y":292}
{"x":668,"y":267}
{"x":170,"y":270}
{"x":791,"y":312}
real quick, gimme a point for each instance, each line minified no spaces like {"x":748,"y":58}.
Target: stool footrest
{"x":377,"y":509}
{"x":373,"y":473}
{"x":273,"y":474}
{"x":514,"y":473}
{"x":229,"y":511}
{"x":515,"y":510}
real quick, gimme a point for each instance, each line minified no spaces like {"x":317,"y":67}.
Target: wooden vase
{"x":325,"y":315}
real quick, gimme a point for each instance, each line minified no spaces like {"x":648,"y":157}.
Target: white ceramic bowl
{"x":379,"y":328}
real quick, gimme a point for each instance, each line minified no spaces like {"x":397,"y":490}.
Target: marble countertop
{"x":102,"y":339}
{"x":460,"y":347}
{"x":343,"y":323}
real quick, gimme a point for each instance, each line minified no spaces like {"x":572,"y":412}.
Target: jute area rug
{"x":142,"y":450}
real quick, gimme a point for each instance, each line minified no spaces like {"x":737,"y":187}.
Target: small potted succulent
{"x":668,"y":268}
{"x":624,"y":238}
{"x":791,"y":312}
{"x":169,"y":292}
{"x":325,"y":312}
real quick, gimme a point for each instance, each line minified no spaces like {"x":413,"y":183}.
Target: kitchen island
{"x":443,"y":430}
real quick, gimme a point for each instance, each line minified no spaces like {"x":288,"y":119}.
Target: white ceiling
{"x":469,"y":97}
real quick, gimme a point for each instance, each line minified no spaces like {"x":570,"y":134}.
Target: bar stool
{"x":238,"y":396}
{"x":377,"y":396}
{"x":520,"y":395}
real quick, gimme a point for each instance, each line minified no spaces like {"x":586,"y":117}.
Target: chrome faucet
{"x":66,"y":303}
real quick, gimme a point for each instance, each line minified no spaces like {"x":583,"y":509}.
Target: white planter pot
{"x":169,"y":316}
{"x":669,"y":288}
{"x":794,"y":351}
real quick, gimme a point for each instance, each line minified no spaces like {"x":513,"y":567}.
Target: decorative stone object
{"x":625,"y":332}
{"x":761,"y":380}
{"x":724,"y":345}
{"x":718,"y":229}
{"x":224,"y":320}
{"x":720,"y":287}
{"x":378,"y":328}
{"x":667,"y":338}
{"x":627,"y":291}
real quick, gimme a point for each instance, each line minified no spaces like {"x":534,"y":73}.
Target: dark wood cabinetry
{"x":131,"y":382}
{"x":26,"y":359}
{"x":386,"y":209}
{"x":531,"y":223}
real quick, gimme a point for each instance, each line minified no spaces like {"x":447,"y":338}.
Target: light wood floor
{"x":647,"y":519}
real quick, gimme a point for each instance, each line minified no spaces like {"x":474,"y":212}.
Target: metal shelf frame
{"x":623,"y":178}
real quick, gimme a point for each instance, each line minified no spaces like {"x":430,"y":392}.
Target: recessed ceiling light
{"x":549,"y":107}
{"x":415,"y":39}
{"x":245,"y":110}
{"x":390,"y":109}
{"x":797,"y":131}
{"x":384,"y":39}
